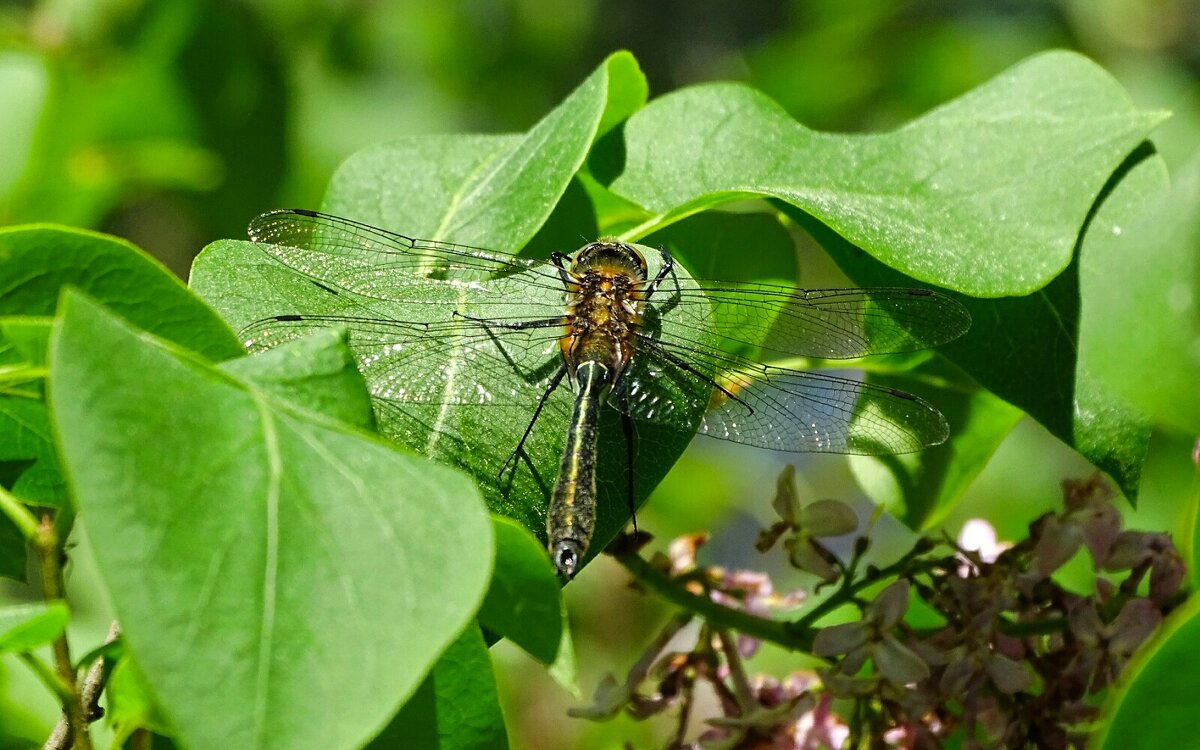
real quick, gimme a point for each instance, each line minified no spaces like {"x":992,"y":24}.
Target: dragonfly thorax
{"x":604,"y":305}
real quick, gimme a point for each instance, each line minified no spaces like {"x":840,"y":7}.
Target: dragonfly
{"x":440,"y":329}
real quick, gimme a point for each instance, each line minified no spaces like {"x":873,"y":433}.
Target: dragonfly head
{"x":567,"y":554}
{"x":610,"y":257}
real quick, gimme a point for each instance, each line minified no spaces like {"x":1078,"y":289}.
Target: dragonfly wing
{"x":732,"y":398}
{"x":455,"y":362}
{"x":349,"y":256}
{"x":827,"y":323}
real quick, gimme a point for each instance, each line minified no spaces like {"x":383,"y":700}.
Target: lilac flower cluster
{"x":1018,"y":660}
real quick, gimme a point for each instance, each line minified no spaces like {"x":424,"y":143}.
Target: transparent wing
{"x":454,"y":362}
{"x":828,"y":323}
{"x":349,"y":256}
{"x":771,"y":407}
{"x":404,"y":301}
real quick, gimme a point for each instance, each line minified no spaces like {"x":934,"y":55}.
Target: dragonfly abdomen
{"x":572,"y":514}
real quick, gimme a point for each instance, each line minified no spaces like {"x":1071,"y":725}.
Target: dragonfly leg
{"x":561,"y":261}
{"x":668,"y":265}
{"x":550,"y":386}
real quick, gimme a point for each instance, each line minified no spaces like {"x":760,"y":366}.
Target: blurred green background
{"x":172,"y":123}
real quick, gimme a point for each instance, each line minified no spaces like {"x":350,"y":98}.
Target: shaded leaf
{"x":922,"y":488}
{"x":455,"y":708}
{"x":316,"y":373}
{"x":523,"y":602}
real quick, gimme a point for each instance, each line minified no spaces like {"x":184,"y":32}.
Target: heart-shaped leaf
{"x":267,"y":565}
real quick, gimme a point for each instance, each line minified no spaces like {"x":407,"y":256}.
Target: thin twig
{"x":737,"y":672}
{"x":89,"y":695}
{"x":762,"y":628}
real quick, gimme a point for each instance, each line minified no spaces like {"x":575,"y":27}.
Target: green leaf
{"x":131,"y":703}
{"x":26,"y":445}
{"x":266,"y":564}
{"x":1023,"y":349}
{"x":28,"y":336}
{"x":246,"y":284}
{"x":1140,"y":319}
{"x":922,"y":488}
{"x":36,"y":262}
{"x":492,"y":191}
{"x":524,"y":601}
{"x":984,"y":195}
{"x":26,"y":440}
{"x":24,"y":627}
{"x":316,"y":373}
{"x":456,"y":707}
{"x":1152,"y":707}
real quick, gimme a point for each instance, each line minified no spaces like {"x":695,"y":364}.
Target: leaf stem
{"x":21,"y":516}
{"x":47,"y":675}
{"x":850,"y":588}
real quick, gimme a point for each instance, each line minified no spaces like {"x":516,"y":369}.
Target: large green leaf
{"x":1140,"y":322}
{"x":984,"y":195}
{"x":267,"y":565}
{"x":1025,"y":350}
{"x":491,"y":191}
{"x":455,"y":708}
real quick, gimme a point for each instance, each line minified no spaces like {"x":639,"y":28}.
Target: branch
{"x":796,"y":635}
{"x":89,"y":695}
{"x":49,"y":554}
